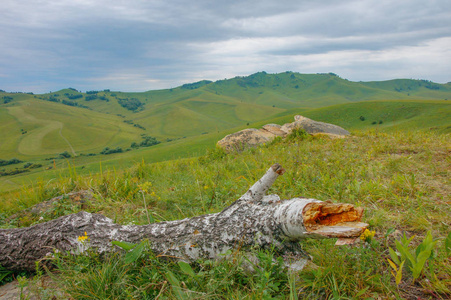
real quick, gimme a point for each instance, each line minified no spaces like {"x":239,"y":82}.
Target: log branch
{"x":253,"y":220}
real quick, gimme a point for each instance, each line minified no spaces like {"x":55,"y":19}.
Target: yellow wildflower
{"x":83,"y":238}
{"x":367,"y":235}
{"x":145,"y":187}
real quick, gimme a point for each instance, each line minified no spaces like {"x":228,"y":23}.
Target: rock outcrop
{"x":252,"y":137}
{"x":246,"y":138}
{"x":312,"y":127}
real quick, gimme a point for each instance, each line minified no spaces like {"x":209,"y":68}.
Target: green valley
{"x":114,"y":128}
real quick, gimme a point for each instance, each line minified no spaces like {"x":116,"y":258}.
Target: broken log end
{"x":309,"y":218}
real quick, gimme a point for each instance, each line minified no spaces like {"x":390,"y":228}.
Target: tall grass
{"x":402,"y":179}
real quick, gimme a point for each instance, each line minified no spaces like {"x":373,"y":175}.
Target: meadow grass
{"x":401,"y":179}
{"x":400,"y":115}
{"x":389,"y":116}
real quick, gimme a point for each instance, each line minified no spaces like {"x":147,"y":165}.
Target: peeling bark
{"x":252,"y":220}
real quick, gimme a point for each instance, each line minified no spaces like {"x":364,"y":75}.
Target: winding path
{"x":66,"y":140}
{"x":32,"y":142}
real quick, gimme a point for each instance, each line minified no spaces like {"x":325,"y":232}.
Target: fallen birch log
{"x":252,"y":220}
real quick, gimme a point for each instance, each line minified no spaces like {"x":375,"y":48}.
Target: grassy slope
{"x":396,"y":115}
{"x":51,"y":127}
{"x":401,"y":184}
{"x":203,"y":112}
{"x":194,"y":109}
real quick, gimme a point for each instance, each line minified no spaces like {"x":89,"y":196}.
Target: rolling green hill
{"x":191,"y":118}
{"x":33,"y":128}
{"x":388,"y":115}
{"x":206,"y":106}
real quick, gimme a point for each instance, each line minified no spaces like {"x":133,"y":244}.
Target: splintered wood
{"x":317,"y":214}
{"x":334,"y":220}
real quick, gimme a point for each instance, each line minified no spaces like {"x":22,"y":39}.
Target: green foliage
{"x":177,"y":290}
{"x":134,"y":251}
{"x":270,"y":276}
{"x":148,"y":141}
{"x":4,"y":274}
{"x":196,"y":85}
{"x":105,"y":281}
{"x":448,"y":244}
{"x":107,"y":150}
{"x":212,"y":155}
{"x":147,"y":276}
{"x":7,"y":99}
{"x":30,"y":165}
{"x":13,"y":172}
{"x":132,"y":104}
{"x":124,"y":245}
{"x":12,"y":161}
{"x":73,"y":97}
{"x":91,"y":97}
{"x":8,"y":276}
{"x":65,"y":154}
{"x":415,"y":257}
{"x":343,"y":273}
{"x":186,"y":268}
{"x":23,"y":282}
{"x":297,"y":134}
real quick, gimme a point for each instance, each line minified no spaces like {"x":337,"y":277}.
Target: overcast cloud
{"x":137,"y":45}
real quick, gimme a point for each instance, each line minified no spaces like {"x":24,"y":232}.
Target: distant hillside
{"x":189,"y":110}
{"x":119,"y":127}
{"x":384,"y":115}
{"x":388,"y":115}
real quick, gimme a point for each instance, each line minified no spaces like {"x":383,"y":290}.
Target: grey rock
{"x":253,"y":137}
{"x":246,"y":138}
{"x":275,"y":129}
{"x":312,"y":127}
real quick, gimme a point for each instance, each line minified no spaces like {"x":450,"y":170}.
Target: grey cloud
{"x":92,"y":42}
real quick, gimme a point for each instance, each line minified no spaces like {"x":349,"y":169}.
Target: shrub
{"x":297,"y":134}
{"x":107,"y":150}
{"x":149,"y":141}
{"x":65,"y":154}
{"x":132,"y":104}
{"x":91,"y":97}
{"x":12,"y":161}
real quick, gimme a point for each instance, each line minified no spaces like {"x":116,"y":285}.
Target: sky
{"x":140,"y":45}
